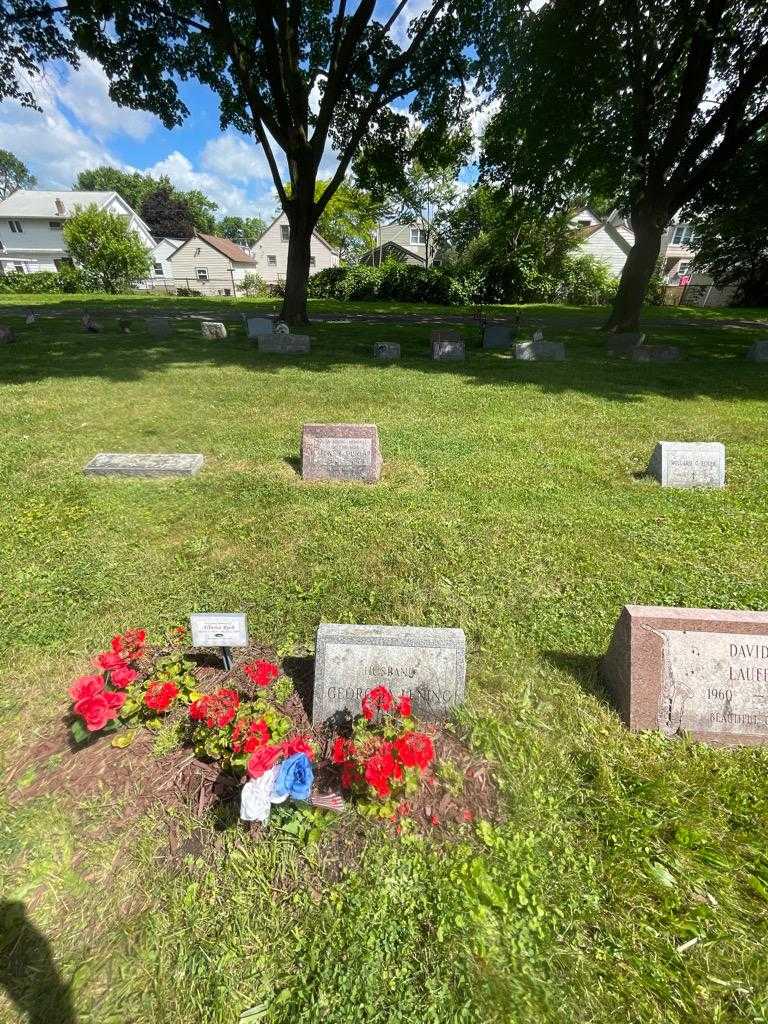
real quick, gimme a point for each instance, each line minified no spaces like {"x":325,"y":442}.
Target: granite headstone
{"x":448,"y":351}
{"x":540,"y":350}
{"x":655,"y":354}
{"x":129,"y":464}
{"x":498,"y":336}
{"x":429,"y":665}
{"x":386,"y":351}
{"x":159,"y":326}
{"x":758,"y":353}
{"x":688,"y":464}
{"x":211,"y":330}
{"x":701,"y":671}
{"x":258,"y":325}
{"x":340,"y":451}
{"x":285,"y":344}
{"x":444,"y":335}
{"x":623,"y":345}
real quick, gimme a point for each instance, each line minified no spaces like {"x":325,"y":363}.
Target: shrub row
{"x":67,"y":280}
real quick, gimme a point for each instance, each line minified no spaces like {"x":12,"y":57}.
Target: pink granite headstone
{"x":701,"y":671}
{"x":340,"y":451}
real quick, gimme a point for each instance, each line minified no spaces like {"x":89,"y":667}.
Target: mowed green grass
{"x":630,"y":880}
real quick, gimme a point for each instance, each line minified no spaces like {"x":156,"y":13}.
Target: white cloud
{"x":230,"y":198}
{"x":85,"y":92}
{"x":232,"y":157}
{"x":414,"y":8}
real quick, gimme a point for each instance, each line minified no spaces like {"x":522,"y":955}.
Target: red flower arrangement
{"x":94,"y":703}
{"x":261,"y":672}
{"x":247,"y":736}
{"x":160,"y":695}
{"x":386,"y":756}
{"x":215,"y":709}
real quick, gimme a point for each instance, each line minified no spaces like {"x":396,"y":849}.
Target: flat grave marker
{"x":159,"y":326}
{"x":429,"y":665}
{"x":535,"y":351}
{"x":758,"y":352}
{"x":146,"y":465}
{"x":386,"y":351}
{"x":448,"y":351}
{"x":340,"y":451}
{"x":655,"y":354}
{"x":219,"y":629}
{"x":688,"y":464}
{"x":284,"y":344}
{"x":702,"y":671}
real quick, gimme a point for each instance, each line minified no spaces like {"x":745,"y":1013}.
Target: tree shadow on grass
{"x":28,"y":972}
{"x":714,"y":365}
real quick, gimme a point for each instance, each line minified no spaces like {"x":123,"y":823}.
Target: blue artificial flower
{"x":295,"y":778}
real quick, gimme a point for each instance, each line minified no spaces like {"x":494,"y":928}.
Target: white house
{"x":404,"y":242}
{"x":270,"y":252}
{"x":32,"y":221}
{"x":607,"y":239}
{"x":211,"y":265}
{"x":161,"y":253}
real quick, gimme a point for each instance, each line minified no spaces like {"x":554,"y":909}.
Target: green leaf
{"x":660,"y":874}
{"x":125,"y":739}
{"x":79,"y":733}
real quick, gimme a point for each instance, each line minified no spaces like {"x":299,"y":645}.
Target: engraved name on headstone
{"x":284,"y":343}
{"x":340,"y":451}
{"x":694,"y":670}
{"x":386,"y":350}
{"x":688,"y":464}
{"x":131,"y":464}
{"x":429,"y":665}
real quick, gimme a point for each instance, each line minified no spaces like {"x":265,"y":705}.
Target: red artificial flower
{"x":99,"y":709}
{"x":342,"y":750}
{"x":467,"y":815}
{"x":261,"y":672}
{"x":160,"y":695}
{"x":378,"y":697}
{"x":262,"y":760}
{"x":434,"y":821}
{"x":86,"y":686}
{"x":298,"y":745}
{"x":380,"y":768}
{"x":404,"y":706}
{"x":350,"y":774}
{"x":123,"y":676}
{"x":108,"y":660}
{"x":130,"y":644}
{"x":215,"y":709}
{"x":247,"y":736}
{"x":415,"y":750}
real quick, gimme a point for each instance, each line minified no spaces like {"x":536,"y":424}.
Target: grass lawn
{"x":630,"y":879}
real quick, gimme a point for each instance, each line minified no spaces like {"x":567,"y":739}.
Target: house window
{"x":202,"y":273}
{"x":157,"y":269}
{"x":15,"y":226}
{"x":285,"y":232}
{"x":271,"y":261}
{"x":418,"y":236}
{"x":55,"y":225}
{"x":312,"y":261}
{"x":683,"y":234}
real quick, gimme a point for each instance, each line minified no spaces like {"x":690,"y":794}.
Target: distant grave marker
{"x":7,"y":336}
{"x":448,"y":350}
{"x":758,"y":352}
{"x":702,"y":671}
{"x":213,"y":331}
{"x":386,"y":351}
{"x":655,"y":354}
{"x":258,"y":325}
{"x":340,"y":451}
{"x":284,"y":344}
{"x":545,"y":351}
{"x":429,"y":665}
{"x":137,"y":465}
{"x":688,"y":464}
{"x":159,"y":326}
{"x":623,"y":345}
{"x":498,"y":336}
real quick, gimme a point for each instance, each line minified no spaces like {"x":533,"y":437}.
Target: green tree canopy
{"x":109,"y":252}
{"x":243,"y":230}
{"x":13,"y":174}
{"x":349,"y":219}
{"x":665,"y":97}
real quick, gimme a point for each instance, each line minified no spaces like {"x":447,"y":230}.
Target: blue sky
{"x":80,"y":128}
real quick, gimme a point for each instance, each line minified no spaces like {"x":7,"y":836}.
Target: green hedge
{"x":68,"y":280}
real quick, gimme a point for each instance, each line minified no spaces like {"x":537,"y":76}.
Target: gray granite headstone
{"x":535,"y":351}
{"x":340,"y":451}
{"x":7,"y":336}
{"x":427,"y":664}
{"x":128,"y":464}
{"x":386,"y":350}
{"x":212,"y":330}
{"x":498,"y":336}
{"x":538,"y":335}
{"x":623,"y":345}
{"x":284,"y":343}
{"x":688,"y":464}
{"x":758,"y":353}
{"x":448,"y":351}
{"x":444,"y":335}
{"x":258,"y":325}
{"x":655,"y":354}
{"x":159,"y":326}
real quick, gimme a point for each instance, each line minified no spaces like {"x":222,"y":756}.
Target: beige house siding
{"x":271,"y":253}
{"x":197,"y":255}
{"x":602,"y":246}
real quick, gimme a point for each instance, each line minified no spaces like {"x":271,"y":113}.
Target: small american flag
{"x":328,"y":801}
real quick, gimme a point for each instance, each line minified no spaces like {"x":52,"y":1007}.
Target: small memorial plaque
{"x":688,"y":464}
{"x":429,"y":665}
{"x":386,"y":351}
{"x":127,"y":464}
{"x":697,"y":670}
{"x":758,"y":353}
{"x":535,"y":351}
{"x":284,"y":343}
{"x":258,"y":325}
{"x":218,"y":629}
{"x":340,"y":451}
{"x":443,"y":351}
{"x":498,"y":336}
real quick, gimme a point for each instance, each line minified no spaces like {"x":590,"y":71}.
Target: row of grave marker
{"x":703,"y":672}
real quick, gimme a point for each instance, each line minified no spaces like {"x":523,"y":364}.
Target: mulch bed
{"x":139,"y":780}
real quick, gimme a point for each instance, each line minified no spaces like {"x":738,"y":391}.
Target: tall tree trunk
{"x":648,"y":227}
{"x":301,"y":217}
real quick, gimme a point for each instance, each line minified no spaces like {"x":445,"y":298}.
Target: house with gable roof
{"x":271,"y":252}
